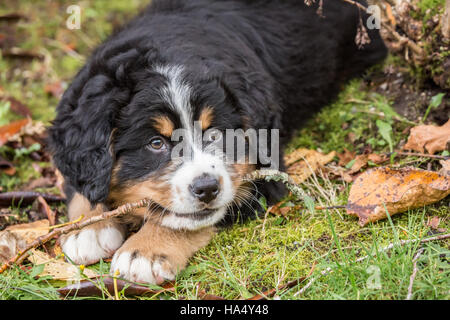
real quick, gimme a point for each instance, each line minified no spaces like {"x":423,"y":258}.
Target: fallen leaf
{"x":12,"y":129}
{"x":7,"y":167}
{"x":429,"y":137}
{"x":337,"y":172}
{"x":55,"y":89}
{"x":30,"y":231}
{"x":397,"y":189}
{"x":10,"y":245}
{"x":389,"y":14}
{"x":360,"y":162}
{"x":42,"y":182}
{"x":42,"y":206}
{"x":278,"y":210}
{"x":28,"y":131}
{"x":18,"y":107}
{"x":345,"y":157}
{"x":433,"y":223}
{"x":445,"y":170}
{"x":303,"y":163}
{"x":58,"y":268}
{"x":376,"y":158}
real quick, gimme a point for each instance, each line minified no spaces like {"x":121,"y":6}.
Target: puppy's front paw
{"x":145,"y":268}
{"x":93,"y":243}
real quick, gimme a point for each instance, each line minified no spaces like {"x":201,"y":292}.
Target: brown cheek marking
{"x":246,"y":122}
{"x":206,"y":117}
{"x":164,"y":125}
{"x":114,"y":173}
{"x":239,"y":184}
{"x":156,"y":188}
{"x":240,"y":170}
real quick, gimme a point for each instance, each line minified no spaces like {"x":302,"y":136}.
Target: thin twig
{"x":411,"y":44}
{"x":413,"y":275}
{"x":122,"y":210}
{"x":382,"y":115}
{"x":424,"y":155}
{"x":275,"y":175}
{"x":390,"y":246}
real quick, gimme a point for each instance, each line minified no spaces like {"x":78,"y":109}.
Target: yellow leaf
{"x":396,"y":190}
{"x":58,"y":269}
{"x":303,"y":163}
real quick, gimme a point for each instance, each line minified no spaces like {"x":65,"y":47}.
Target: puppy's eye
{"x":157,"y":144}
{"x":213,"y":135}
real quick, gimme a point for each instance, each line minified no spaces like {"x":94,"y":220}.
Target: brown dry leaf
{"x":337,"y":172}
{"x":389,"y":15}
{"x":27,"y":131}
{"x":376,"y":158}
{"x":429,"y":137}
{"x":11,"y":129}
{"x":433,"y":223}
{"x":55,"y":89}
{"x":10,"y":245}
{"x":58,"y":269}
{"x":30,"y":231}
{"x":445,"y":170}
{"x":42,"y":182}
{"x":346,"y":157}
{"x":303,"y":163}
{"x":278,"y":210}
{"x":397,"y":189}
{"x":18,"y":107}
{"x":42,"y":206}
{"x":360,"y":162}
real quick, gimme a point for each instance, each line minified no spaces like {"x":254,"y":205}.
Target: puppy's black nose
{"x":205,"y":188}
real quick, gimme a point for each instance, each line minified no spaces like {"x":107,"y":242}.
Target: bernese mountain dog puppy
{"x":192,"y":64}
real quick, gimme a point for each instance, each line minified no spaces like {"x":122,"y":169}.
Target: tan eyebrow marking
{"x":164,"y":125}
{"x":206,"y":117}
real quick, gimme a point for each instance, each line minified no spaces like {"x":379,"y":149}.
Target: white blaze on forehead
{"x":178,"y":93}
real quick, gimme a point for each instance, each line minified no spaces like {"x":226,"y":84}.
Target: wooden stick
{"x":122,"y":210}
{"x":412,"y":154}
{"x":413,"y":275}
{"x":275,"y":175}
{"x":24,"y":198}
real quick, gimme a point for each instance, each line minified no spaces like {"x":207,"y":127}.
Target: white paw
{"x":134,"y":267}
{"x":90,"y":245}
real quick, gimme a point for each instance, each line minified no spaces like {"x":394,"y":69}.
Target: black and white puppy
{"x":192,"y":65}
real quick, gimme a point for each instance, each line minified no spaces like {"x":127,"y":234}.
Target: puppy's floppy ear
{"x":80,"y":137}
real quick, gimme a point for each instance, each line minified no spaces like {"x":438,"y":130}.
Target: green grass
{"x":265,"y":253}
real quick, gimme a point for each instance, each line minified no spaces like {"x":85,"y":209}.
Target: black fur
{"x":259,"y":63}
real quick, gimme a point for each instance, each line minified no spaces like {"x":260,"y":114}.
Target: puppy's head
{"x":169,"y":146}
{"x":163,"y":139}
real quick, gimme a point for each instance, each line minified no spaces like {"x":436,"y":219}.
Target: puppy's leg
{"x":156,"y":253}
{"x":94,"y":242}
